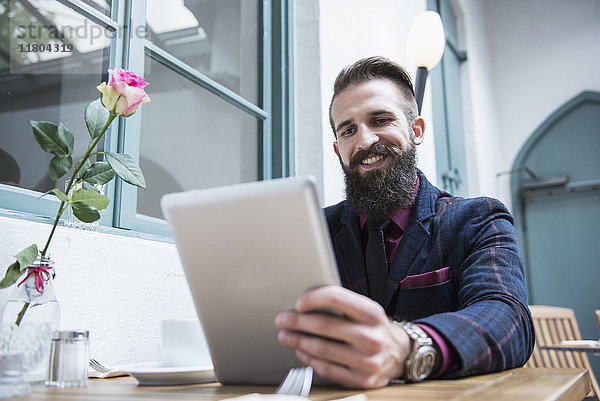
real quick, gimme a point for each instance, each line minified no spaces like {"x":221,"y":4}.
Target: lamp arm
{"x":420,"y":81}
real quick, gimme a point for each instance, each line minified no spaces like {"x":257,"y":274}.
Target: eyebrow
{"x":342,"y":124}
{"x":380,"y":112}
{"x":373,"y":113}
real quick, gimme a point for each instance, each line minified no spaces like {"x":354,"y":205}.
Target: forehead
{"x":373,"y":95}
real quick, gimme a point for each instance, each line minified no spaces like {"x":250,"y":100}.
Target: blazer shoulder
{"x":479,"y":208}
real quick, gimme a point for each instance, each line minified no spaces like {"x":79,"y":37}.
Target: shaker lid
{"x":71,"y":334}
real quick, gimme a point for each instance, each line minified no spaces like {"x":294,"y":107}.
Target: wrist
{"x":446,"y":354}
{"x":423,"y":358}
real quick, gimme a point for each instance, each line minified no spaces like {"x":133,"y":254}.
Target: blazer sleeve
{"x":492,"y":329}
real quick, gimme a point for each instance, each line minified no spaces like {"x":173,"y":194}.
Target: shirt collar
{"x":400,"y":216}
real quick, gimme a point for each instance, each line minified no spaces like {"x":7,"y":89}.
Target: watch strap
{"x":423,"y":358}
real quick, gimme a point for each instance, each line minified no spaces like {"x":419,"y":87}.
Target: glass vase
{"x":29,"y":318}
{"x":69,"y":218}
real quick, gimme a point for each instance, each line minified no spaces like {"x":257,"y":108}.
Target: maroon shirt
{"x":392,"y":237}
{"x":394,"y":233}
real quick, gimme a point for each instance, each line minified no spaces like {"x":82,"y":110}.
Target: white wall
{"x":119,"y":288}
{"x":307,"y":92}
{"x":526,"y":59}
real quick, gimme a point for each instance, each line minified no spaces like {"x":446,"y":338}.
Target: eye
{"x":381,"y":121}
{"x":347,"y":131}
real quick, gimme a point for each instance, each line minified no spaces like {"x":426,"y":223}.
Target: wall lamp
{"x":425,"y":44}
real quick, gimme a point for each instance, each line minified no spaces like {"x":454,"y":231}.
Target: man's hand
{"x":361,"y":349}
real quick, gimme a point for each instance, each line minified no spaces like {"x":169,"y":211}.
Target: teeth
{"x":372,"y":160}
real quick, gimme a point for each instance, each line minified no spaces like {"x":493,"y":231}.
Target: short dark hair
{"x":371,"y":68}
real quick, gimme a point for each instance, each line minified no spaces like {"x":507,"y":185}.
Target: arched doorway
{"x":557,"y":211}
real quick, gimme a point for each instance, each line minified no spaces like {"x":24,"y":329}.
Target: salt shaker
{"x":68,"y":363}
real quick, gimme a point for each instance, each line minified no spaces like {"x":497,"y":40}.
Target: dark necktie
{"x":375,"y":258}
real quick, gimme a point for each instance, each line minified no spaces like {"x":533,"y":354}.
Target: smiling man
{"x":433,"y":285}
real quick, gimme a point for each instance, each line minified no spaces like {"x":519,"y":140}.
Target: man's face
{"x":376,"y":147}
{"x":367,"y":114}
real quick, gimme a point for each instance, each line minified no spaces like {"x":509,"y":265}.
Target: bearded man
{"x":433,"y":285}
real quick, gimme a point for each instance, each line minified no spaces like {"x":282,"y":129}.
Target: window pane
{"x":220,"y":38}
{"x":47,"y":86}
{"x":192,"y":139}
{"x":44,"y":36}
{"x":104,"y":6}
{"x":46,"y":97}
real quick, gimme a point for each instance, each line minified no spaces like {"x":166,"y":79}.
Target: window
{"x":447,"y":107}
{"x":219,"y":73}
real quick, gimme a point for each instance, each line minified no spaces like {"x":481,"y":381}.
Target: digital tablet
{"x":248,"y":252}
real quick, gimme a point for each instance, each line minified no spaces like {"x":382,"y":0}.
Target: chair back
{"x":552,"y":325}
{"x":597,"y":316}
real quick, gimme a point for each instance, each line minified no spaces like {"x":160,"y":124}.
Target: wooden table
{"x":593,"y":349}
{"x":524,"y":384}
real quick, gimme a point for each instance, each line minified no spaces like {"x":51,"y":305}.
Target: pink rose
{"x":124,"y":92}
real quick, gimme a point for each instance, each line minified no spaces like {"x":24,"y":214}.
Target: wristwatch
{"x":423,"y":358}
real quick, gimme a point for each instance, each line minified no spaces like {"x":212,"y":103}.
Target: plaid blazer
{"x":457,"y":270}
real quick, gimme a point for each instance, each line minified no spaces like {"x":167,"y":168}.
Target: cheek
{"x":345,"y":157}
{"x":401,"y":136}
{"x":344,"y":153}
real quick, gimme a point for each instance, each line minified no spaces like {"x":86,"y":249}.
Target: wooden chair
{"x":552,"y":325}
{"x":597,"y":316}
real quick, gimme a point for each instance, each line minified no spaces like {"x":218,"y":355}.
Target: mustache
{"x":379,"y":149}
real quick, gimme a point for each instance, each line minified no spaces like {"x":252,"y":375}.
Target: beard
{"x":379,"y":193}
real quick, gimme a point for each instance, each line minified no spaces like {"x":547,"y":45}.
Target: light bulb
{"x":426,"y":41}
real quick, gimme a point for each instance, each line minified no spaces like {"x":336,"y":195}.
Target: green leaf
{"x":59,"y":165}
{"x":90,"y":198}
{"x":126,"y":168}
{"x":85,"y":213}
{"x":27,"y":256}
{"x":96,"y":117}
{"x":86,"y":165}
{"x":68,"y":137}
{"x":99,"y":173}
{"x":51,"y":139}
{"x":89,"y":187}
{"x":12,"y":275}
{"x":44,"y":194}
{"x":60,"y":194}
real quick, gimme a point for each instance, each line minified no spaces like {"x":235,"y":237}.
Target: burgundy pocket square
{"x":425,"y":279}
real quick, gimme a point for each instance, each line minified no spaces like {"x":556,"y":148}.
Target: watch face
{"x":423,"y":363}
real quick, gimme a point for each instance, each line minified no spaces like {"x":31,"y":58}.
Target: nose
{"x":366,"y":138}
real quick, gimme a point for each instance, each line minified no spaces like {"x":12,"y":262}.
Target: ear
{"x":418,"y":127}
{"x":335,"y":149}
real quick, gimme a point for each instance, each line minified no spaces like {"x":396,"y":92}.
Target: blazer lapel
{"x":413,"y":239}
{"x":348,"y":247}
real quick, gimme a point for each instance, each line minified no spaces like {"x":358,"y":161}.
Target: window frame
{"x":29,"y":204}
{"x":277,"y":151}
{"x":448,"y":125}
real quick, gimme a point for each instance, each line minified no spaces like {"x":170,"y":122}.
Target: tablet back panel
{"x":248,"y":252}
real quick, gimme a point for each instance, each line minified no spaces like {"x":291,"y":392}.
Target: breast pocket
{"x":417,"y":302}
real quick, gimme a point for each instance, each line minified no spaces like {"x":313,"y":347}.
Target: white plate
{"x":160,"y":374}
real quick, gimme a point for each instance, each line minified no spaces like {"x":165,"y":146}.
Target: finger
{"x":332,"y":351}
{"x":340,"y":374}
{"x":361,"y":337}
{"x":353,"y":305}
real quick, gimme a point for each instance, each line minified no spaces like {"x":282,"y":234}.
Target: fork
{"x":297,"y":382}
{"x":97,"y":366}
